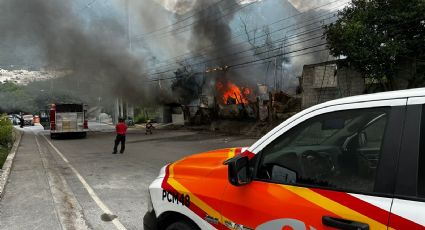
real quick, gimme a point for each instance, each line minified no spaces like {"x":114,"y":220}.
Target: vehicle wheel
{"x":182,"y":225}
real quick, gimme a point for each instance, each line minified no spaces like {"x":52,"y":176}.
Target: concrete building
{"x":327,"y":81}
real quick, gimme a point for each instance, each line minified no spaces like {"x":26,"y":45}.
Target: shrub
{"x":6,"y":138}
{"x":140,"y":118}
{"x":6,"y":129}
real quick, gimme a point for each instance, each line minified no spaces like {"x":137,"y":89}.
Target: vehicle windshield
{"x":64,"y":108}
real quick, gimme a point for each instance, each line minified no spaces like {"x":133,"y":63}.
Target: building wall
{"x":327,"y":81}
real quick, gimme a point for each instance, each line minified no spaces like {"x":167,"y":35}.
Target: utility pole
{"x":129,"y":107}
{"x":116,"y":110}
{"x":283,"y":50}
{"x":128,"y":25}
{"x":119,"y":107}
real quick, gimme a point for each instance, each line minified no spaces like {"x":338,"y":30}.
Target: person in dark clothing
{"x":22,"y":121}
{"x":121,"y":129}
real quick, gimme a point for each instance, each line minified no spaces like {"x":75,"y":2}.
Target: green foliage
{"x":141,"y":117}
{"x":376,"y":35}
{"x":6,"y":137}
{"x":13,"y":97}
{"x":33,"y":97}
{"x":3,"y":156}
{"x":6,"y":129}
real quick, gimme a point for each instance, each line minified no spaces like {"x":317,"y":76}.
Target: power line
{"x":234,"y":54}
{"x":232,"y":66}
{"x":240,"y":52}
{"x":295,"y":35}
{"x":283,"y":19}
{"x":252,"y":48}
{"x":247,"y":63}
{"x":311,"y":52}
{"x":179,"y":21}
{"x":233,"y":8}
{"x":242,"y":65}
{"x":274,"y":56}
{"x":278,"y":30}
{"x":239,"y":35}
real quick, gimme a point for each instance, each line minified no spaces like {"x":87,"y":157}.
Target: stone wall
{"x":328,"y":81}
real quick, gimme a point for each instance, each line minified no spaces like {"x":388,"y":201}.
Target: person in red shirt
{"x":121,"y":129}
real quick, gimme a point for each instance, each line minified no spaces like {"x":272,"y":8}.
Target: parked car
{"x":14,"y":118}
{"x":10,"y":118}
{"x":352,"y":163}
{"x":28,"y":119}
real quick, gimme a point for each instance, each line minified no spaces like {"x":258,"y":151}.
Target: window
{"x":339,"y":150}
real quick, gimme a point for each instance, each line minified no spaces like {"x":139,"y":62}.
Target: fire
{"x":233,"y":94}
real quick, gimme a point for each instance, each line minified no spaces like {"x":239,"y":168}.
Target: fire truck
{"x":68,"y":118}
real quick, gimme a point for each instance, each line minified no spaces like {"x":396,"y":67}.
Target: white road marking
{"x":93,"y":195}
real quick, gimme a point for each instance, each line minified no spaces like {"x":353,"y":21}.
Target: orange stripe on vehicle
{"x":194,"y":199}
{"x":334,"y":206}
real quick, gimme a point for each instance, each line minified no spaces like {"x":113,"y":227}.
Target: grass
{"x":6,"y":138}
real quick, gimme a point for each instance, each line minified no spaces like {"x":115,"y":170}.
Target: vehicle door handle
{"x":343,"y":223}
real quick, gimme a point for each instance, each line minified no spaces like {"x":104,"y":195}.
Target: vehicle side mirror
{"x":239,"y":172}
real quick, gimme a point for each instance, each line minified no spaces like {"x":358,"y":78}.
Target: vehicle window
{"x":339,"y":150}
{"x":421,"y":162}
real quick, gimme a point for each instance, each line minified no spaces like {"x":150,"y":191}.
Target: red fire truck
{"x":68,"y":118}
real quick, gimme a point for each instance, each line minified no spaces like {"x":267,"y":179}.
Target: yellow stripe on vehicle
{"x":231,"y":153}
{"x":333,"y":206}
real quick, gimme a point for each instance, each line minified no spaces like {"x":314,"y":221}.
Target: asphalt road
{"x":71,"y":183}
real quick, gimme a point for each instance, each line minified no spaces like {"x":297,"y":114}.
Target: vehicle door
{"x":331,"y":168}
{"x":408,"y":209}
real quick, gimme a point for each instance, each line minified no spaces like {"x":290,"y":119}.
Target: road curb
{"x":7,"y":166}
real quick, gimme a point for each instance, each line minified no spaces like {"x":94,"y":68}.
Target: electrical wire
{"x":239,"y":35}
{"x":233,"y":46}
{"x":252,"y":49}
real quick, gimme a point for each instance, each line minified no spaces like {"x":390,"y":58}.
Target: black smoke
{"x":92,"y":49}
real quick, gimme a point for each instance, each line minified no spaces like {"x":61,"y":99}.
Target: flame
{"x":233,"y":94}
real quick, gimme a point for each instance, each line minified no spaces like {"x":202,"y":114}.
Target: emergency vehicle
{"x":351,"y":163}
{"x":68,"y":118}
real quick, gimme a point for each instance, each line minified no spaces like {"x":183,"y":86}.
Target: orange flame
{"x":233,"y":94}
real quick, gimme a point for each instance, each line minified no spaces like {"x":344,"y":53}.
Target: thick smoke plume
{"x":92,"y":44}
{"x":211,"y":41}
{"x":57,"y":35}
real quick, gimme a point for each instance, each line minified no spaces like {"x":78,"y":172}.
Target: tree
{"x":377,"y":37}
{"x":187,"y":86}
{"x":14,"y":98}
{"x":264,"y":46}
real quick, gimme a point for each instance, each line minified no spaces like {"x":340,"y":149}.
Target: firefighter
{"x":121,"y":129}
{"x":148,"y":127}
